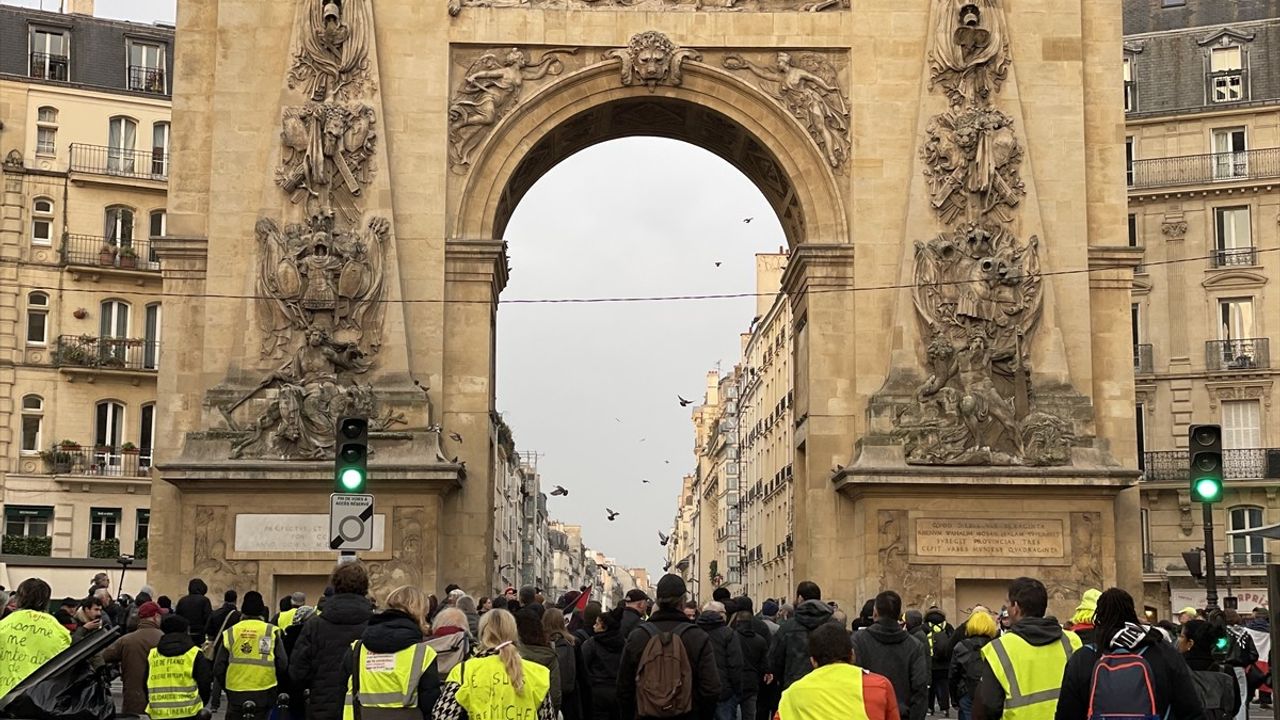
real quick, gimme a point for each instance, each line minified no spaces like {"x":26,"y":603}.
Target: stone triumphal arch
{"x":344,"y":171}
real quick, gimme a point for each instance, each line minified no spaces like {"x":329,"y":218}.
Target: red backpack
{"x":1121,"y":688}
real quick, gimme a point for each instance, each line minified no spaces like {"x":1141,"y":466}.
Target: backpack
{"x":1243,"y":652}
{"x":664,"y":677}
{"x":1215,"y":692}
{"x":937,"y":648}
{"x":1121,"y":687}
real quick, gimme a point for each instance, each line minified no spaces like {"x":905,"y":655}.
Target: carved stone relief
{"x":328,"y":156}
{"x":490,"y":87}
{"x":407,"y":554}
{"x":651,"y":59}
{"x":1085,"y":571}
{"x":972,"y":159}
{"x":210,"y":553}
{"x":806,"y":84}
{"x":970,"y":56}
{"x":1174,"y":230}
{"x":919,"y":585}
{"x":332,"y":56}
{"x":456,"y":6}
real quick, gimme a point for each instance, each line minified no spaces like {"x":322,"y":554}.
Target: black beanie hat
{"x":252,"y":606}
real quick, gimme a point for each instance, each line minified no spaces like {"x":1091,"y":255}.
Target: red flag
{"x":583,"y":600}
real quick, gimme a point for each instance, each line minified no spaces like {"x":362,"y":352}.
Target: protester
{"x":913,"y":623}
{"x":405,"y":676}
{"x":1187,"y":614}
{"x":66,"y":614}
{"x":1082,"y":622}
{"x":590,"y":612}
{"x":601,"y":656}
{"x":691,"y":611}
{"x":535,"y":647}
{"x":497,"y":677}
{"x":570,"y":660}
{"x":938,"y":641}
{"x":636,"y":602}
{"x":755,"y":657}
{"x":467,"y":605}
{"x":728,"y":654}
{"x":289,"y":607}
{"x":866,"y":617}
{"x":179,"y":676}
{"x":250,"y":662}
{"x":1119,"y":635}
{"x":222,"y":618}
{"x":316,"y":664}
{"x":1241,"y":654}
{"x":1216,"y":688}
{"x":789,"y":653}
{"x":130,"y":653}
{"x":29,"y":636}
{"x":1035,"y":648}
{"x":88,"y":620}
{"x":668,"y":624}
{"x":450,"y":639}
{"x":885,"y":648}
{"x":769,"y":615}
{"x":196,"y":609}
{"x":837,"y":688}
{"x":966,"y":659}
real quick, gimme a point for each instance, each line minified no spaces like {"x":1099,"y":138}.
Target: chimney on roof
{"x":79,"y":7}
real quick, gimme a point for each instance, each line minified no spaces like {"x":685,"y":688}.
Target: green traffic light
{"x":351,"y":479}
{"x":1208,"y":489}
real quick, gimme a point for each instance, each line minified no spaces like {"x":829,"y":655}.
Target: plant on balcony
{"x":107,"y":254}
{"x":140,"y":549}
{"x":56,"y":460}
{"x":69,"y":445}
{"x":128,"y":257}
{"x":72,"y":354}
{"x":129,"y":448}
{"x":108,"y":549}
{"x":26,"y":545}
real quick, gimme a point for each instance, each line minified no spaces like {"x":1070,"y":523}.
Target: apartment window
{"x":1226,"y":74}
{"x":1128,"y":161}
{"x":1129,"y":95}
{"x":1246,"y":550}
{"x":1241,"y":424}
{"x":151,"y":337}
{"x":1140,"y":430}
{"x":37,"y":318}
{"x":160,"y":149}
{"x":27,"y":520}
{"x":147,"y":68}
{"x":146,"y":434}
{"x":122,"y":141}
{"x":42,"y":221}
{"x":118,"y":225}
{"x":104,"y":523}
{"x":50,"y":54}
{"x":1233,"y":240}
{"x":47,"y":131}
{"x":1230,"y":156}
{"x":1235,"y":318}
{"x":108,"y":424}
{"x":143,"y":519}
{"x":114,"y":319}
{"x":32,"y":422}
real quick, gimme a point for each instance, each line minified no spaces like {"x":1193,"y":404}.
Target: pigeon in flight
{"x":455,"y":437}
{"x":748,"y":220}
{"x":560,"y":492}
{"x":683,"y":402}
{"x":663,"y":539}
{"x":718,"y":263}
{"x":644,"y":480}
{"x":612,"y":514}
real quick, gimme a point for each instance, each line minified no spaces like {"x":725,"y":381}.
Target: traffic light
{"x":1205,"y":454}
{"x":351,"y":455}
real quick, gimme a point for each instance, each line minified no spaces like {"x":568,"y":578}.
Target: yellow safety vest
{"x":171,"y":685}
{"x":251,"y":655}
{"x":28,"y":639}
{"x":1031,"y":676}
{"x":286,"y":617}
{"x":389,"y":680}
{"x":831,"y":691}
{"x":485,"y":691}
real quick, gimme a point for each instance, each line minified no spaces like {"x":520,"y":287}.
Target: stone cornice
{"x":192,"y":252}
{"x":473,"y":260}
{"x":813,"y":265}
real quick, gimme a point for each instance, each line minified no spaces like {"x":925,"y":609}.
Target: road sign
{"x":350,"y":522}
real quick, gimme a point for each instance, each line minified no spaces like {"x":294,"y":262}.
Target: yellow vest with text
{"x":486,"y":693}
{"x":171,"y":685}
{"x":251,"y":655}
{"x":389,"y":680}
{"x":831,"y":691}
{"x":1031,"y":676}
{"x":28,"y":639}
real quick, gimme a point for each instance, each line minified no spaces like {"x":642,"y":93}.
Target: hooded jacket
{"x":988,"y":700}
{"x":728,"y":652}
{"x":935,"y":624}
{"x":316,"y":661}
{"x":546,"y":656}
{"x":131,"y":652}
{"x":176,"y":644}
{"x":789,"y":653}
{"x":888,"y":650}
{"x":601,"y":655}
{"x":390,"y":632}
{"x":451,"y":649}
{"x":196,"y":608}
{"x":702,"y":661}
{"x":1170,"y":677}
{"x":755,"y":654}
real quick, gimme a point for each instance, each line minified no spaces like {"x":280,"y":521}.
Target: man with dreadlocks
{"x":1119,"y":632}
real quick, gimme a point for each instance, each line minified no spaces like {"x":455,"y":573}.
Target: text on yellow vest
{"x":171,"y":685}
{"x":251,"y":655}
{"x":28,"y":639}
{"x":486,"y":693}
{"x":1030,"y":675}
{"x":831,"y":691}
{"x":389,"y":680}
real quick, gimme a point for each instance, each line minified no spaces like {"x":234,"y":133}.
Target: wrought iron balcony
{"x":1201,"y":169}
{"x":1241,"y":354}
{"x":1247,"y":464}
{"x":49,"y":66}
{"x":99,"y":461}
{"x":107,"y":353}
{"x":1248,"y":559}
{"x":1230,"y":257}
{"x":148,"y":79}
{"x":1142,"y":361}
{"x":97,"y":251}
{"x":120,"y":162}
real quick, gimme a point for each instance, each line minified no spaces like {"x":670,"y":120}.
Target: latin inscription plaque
{"x":990,"y":538}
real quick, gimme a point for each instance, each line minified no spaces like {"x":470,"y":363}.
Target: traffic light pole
{"x":1210,"y":559}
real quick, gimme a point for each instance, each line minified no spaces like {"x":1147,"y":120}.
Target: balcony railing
{"x":1241,"y":354}
{"x":1229,"y":257}
{"x":147,"y":79}
{"x":1247,"y":464}
{"x":1249,"y":559}
{"x":88,"y":351}
{"x":106,"y":461}
{"x":1142,"y":362}
{"x":1209,"y":168}
{"x":120,"y":162}
{"x":48,"y":66}
{"x":125,"y":254}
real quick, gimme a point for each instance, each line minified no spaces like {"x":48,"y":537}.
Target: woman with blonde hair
{"x":966,"y":658}
{"x":391,"y":671}
{"x":497,"y":682}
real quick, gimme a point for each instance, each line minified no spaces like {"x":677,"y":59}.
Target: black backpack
{"x":1122,"y":688}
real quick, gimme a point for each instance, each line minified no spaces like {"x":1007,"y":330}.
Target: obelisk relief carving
{"x":977,"y":286}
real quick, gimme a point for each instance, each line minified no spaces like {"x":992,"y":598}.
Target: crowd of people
{"x":411,"y":655}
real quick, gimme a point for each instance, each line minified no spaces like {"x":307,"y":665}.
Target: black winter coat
{"x":316,"y":662}
{"x":936,"y":625}
{"x":197,"y":610}
{"x":789,"y":651}
{"x":886,"y":649}
{"x":601,"y":655}
{"x":390,"y":632}
{"x":755,"y":655}
{"x":966,"y":665}
{"x":728,"y":652}
{"x":702,"y":659}
{"x":215,"y":619}
{"x":1170,"y":677}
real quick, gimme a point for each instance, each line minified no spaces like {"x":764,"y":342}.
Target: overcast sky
{"x":593,"y":388}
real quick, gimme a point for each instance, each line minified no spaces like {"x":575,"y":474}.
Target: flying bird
{"x":663,"y":539}
{"x":748,"y":220}
{"x":683,"y":402}
{"x":560,"y":492}
{"x":668,"y":462}
{"x":612,"y":514}
{"x":644,"y":480}
{"x":455,"y":437}
{"x":718,"y":263}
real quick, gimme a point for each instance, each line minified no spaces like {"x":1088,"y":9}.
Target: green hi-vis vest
{"x":1031,"y":676}
{"x":28,"y":639}
{"x":171,"y":685}
{"x":251,"y":656}
{"x":830,"y":691}
{"x":486,"y":693}
{"x":286,"y":617}
{"x":388,"y":682}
